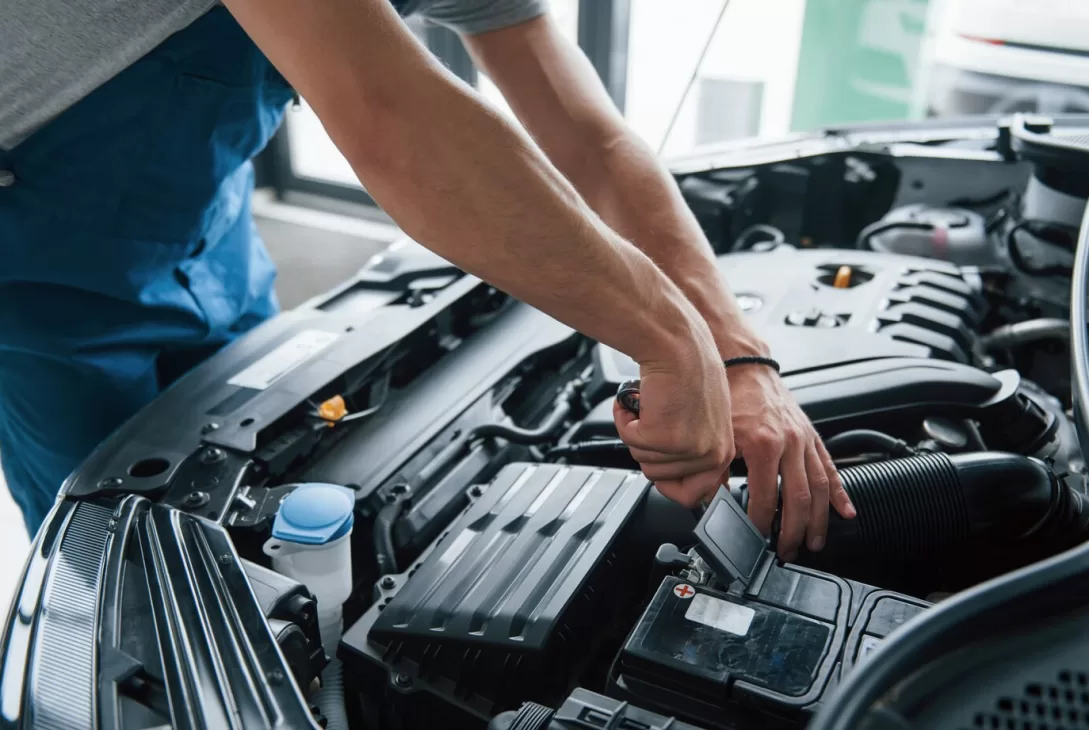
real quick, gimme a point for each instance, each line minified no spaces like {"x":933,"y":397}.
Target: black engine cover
{"x":510,"y":602}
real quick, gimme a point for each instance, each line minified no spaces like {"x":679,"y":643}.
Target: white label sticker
{"x":719,"y":614}
{"x":284,"y":359}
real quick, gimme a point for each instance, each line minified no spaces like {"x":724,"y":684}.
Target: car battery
{"x":739,"y":640}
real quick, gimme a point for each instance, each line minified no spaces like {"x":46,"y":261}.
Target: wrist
{"x":734,"y":338}
{"x":732,"y":334}
{"x":675,"y":332}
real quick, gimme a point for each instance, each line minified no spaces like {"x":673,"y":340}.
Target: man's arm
{"x":464,"y":182}
{"x":556,"y":93}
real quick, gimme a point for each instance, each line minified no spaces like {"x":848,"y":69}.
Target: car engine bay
{"x":499,"y":560}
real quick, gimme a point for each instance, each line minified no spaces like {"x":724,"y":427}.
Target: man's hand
{"x":681,"y":436}
{"x":555,"y":92}
{"x":775,"y":438}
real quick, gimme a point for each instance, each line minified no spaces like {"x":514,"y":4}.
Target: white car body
{"x":1000,"y":56}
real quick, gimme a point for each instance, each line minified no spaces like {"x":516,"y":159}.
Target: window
{"x":311,"y":153}
{"x":313,"y":156}
{"x":720,"y":70}
{"x":566,"y":15}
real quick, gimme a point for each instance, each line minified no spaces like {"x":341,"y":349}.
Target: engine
{"x":567,"y":569}
{"x":486,"y":554}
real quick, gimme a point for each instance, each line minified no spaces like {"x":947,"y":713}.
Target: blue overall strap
{"x":129,"y":248}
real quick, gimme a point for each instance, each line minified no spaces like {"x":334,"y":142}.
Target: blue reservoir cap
{"x":314,"y":514}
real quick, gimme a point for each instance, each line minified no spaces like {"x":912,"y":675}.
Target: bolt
{"x":274,"y":676}
{"x":389,"y":582}
{"x":475,"y":491}
{"x":209,"y":427}
{"x":402,"y":680}
{"x":225,"y":560}
{"x":195,"y":499}
{"x":110,"y":483}
{"x":399,"y":489}
{"x":212,"y":455}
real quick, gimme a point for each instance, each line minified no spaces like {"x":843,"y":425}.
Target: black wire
{"x":742,"y":241}
{"x":864,"y":236}
{"x":695,"y":75}
{"x":999,"y":197}
{"x":1042,"y":230}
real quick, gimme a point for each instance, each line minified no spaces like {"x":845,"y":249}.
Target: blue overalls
{"x":128,"y":253}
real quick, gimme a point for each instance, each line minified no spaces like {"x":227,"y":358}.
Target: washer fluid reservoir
{"x":311,"y":543}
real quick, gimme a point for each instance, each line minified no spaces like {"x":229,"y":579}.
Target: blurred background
{"x":689,"y":76}
{"x":702,"y":72}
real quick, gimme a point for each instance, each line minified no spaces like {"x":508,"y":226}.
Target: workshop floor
{"x":293,"y":236}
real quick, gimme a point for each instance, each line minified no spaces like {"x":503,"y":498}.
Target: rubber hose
{"x":330,"y":696}
{"x":921,"y":510}
{"x":1022,"y":333}
{"x":525,"y":436}
{"x":852,"y":443}
{"x":530,"y":436}
{"x":385,"y":554}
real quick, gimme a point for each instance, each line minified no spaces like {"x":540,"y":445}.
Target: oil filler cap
{"x":315,"y":514}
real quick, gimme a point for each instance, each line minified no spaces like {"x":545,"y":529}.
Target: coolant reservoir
{"x":311,"y":543}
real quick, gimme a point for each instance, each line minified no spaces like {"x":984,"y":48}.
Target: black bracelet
{"x":752,"y":360}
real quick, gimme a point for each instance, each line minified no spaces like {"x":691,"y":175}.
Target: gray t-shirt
{"x":55,"y":52}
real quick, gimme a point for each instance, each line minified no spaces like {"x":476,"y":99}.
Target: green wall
{"x":858,"y":61}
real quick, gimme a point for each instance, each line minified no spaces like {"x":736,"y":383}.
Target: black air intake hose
{"x":926,"y":511}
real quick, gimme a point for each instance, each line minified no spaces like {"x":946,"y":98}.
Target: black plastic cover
{"x":729,"y":541}
{"x":586,"y":710}
{"x":880,"y":614}
{"x":512,"y":599}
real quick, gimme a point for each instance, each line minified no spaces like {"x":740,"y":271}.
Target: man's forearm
{"x":462,"y":180}
{"x":513,"y":219}
{"x":631,"y":190}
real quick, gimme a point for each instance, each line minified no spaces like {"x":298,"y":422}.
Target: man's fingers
{"x":691,"y":491}
{"x":649,"y":456}
{"x":763,"y":467}
{"x":837,"y":495}
{"x":817,"y":531}
{"x":680,"y":468}
{"x":796,"y":499}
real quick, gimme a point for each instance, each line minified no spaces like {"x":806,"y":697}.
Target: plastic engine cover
{"x":509,"y":604}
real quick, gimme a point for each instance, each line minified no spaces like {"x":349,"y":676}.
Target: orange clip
{"x":333,"y":409}
{"x":843,"y":278}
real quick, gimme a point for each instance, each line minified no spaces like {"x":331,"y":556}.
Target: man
{"x":129,"y":251}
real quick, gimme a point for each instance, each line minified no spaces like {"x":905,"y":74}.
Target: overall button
{"x":7,"y":178}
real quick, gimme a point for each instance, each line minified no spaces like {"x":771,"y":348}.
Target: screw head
{"x":274,"y":676}
{"x":212,"y":455}
{"x":475,"y":491}
{"x":389,"y":582}
{"x":209,"y":427}
{"x":195,"y":499}
{"x":110,"y":483}
{"x":401,"y":679}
